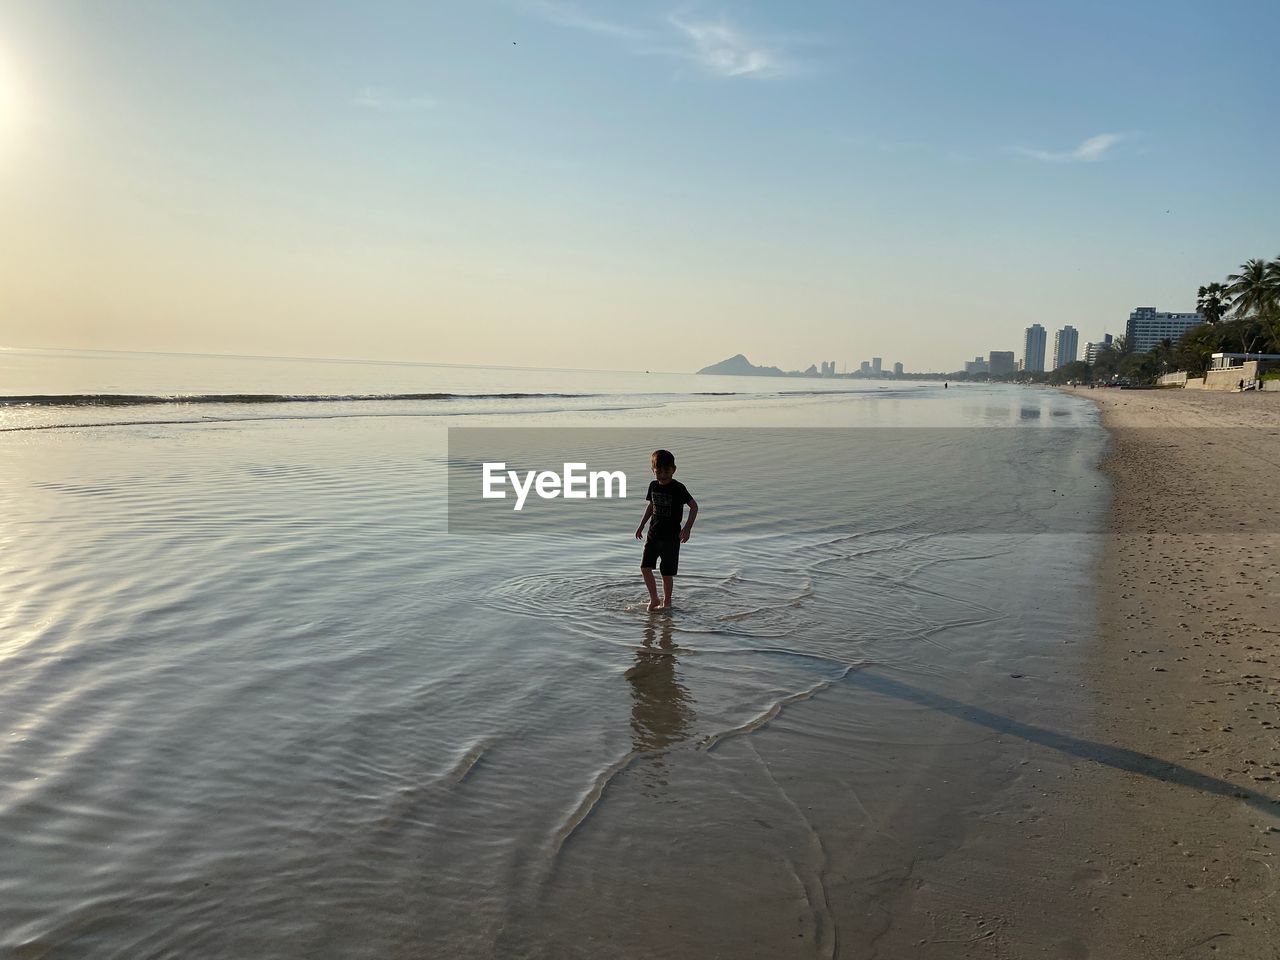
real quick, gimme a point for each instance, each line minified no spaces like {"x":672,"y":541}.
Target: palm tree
{"x":1212,"y":301}
{"x":1255,"y":290}
{"x":1273,"y":276}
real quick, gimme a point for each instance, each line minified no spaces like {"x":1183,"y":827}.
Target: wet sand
{"x":1149,"y":828}
{"x":1185,"y":861}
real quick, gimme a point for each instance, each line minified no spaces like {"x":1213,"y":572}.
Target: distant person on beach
{"x":663,"y":513}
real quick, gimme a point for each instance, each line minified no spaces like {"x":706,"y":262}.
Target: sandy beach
{"x":1152,"y":828}
{"x":1186,"y":671}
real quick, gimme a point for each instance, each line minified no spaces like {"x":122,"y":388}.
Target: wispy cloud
{"x":1090,"y":151}
{"x":716,"y":47}
{"x":371,"y":98}
{"x":725,"y":51}
{"x":569,"y":15}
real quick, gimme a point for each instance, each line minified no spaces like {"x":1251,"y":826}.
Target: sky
{"x":625,"y":185}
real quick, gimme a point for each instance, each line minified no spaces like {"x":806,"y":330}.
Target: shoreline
{"x":1185,"y":671}
{"x":1138,"y":811}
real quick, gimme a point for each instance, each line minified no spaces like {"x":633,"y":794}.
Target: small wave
{"x":767,"y":716}
{"x":817,"y":393}
{"x":209,"y":420}
{"x":142,"y":400}
{"x":405,"y":801}
{"x":591,"y":798}
{"x":708,"y":605}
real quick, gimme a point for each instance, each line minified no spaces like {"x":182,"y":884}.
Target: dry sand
{"x":1187,"y":671}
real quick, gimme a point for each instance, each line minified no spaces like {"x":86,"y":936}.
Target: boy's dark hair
{"x":662,"y":458}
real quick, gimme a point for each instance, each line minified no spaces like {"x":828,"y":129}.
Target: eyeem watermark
{"x":585,"y":483}
{"x":576,"y":483}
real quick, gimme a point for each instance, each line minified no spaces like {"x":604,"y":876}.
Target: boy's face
{"x":664,"y":474}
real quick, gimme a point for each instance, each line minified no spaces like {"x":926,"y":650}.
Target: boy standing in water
{"x":667,"y":498}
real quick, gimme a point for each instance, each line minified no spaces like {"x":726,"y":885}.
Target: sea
{"x":276,"y":680}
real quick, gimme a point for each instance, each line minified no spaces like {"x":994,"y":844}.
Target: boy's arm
{"x":648,"y":512}
{"x":688,"y":524}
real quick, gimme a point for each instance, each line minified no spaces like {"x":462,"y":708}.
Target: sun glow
{"x":11,"y":99}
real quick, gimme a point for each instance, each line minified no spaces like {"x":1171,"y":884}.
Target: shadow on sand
{"x":1131,"y":761}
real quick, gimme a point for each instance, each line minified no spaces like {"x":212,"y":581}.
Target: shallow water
{"x":255,"y":700}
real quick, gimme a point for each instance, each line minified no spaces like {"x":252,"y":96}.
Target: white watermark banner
{"x":586,"y":481}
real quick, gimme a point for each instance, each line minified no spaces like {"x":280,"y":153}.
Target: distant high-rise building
{"x":825,"y":371}
{"x":831,"y":365}
{"x":1093,"y":348}
{"x":897,"y":369}
{"x":1033,"y":349}
{"x":1066,"y":344}
{"x":1001,"y":362}
{"x":864,"y":368}
{"x":976,"y":365}
{"x":1148,"y":326}
{"x":875,"y":365}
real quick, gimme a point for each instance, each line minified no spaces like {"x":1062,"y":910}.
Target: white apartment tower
{"x":1148,"y":326}
{"x":1066,"y":346}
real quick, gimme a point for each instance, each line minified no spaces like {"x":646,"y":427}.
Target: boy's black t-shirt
{"x":668,"y":507}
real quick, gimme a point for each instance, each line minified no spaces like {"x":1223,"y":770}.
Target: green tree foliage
{"x":1077,"y":370}
{"x":1255,"y":290}
{"x":1213,"y":302}
{"x":1141,"y":367}
{"x":1163,"y":354}
{"x":1107,"y":363}
{"x":1194,"y":349}
{"x":1242,"y":316}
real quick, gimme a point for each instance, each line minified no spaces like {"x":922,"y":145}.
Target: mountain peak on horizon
{"x":739,"y":366}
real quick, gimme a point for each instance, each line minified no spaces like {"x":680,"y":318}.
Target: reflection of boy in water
{"x":661,"y":708}
{"x":667,"y":498}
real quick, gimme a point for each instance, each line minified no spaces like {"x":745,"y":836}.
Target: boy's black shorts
{"x":668,"y":548}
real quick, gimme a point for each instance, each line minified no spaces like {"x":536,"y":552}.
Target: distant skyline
{"x":623,"y":185}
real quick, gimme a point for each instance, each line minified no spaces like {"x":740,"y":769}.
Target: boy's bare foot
{"x":655,"y":604}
